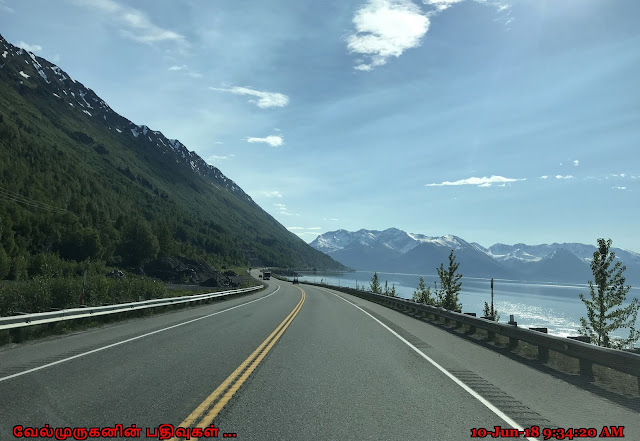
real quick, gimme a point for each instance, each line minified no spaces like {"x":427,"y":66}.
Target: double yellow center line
{"x":230,"y":386}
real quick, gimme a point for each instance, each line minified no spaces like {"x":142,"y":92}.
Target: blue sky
{"x":497,"y":121}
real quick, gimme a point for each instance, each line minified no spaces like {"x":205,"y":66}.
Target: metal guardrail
{"x":586,"y":353}
{"x":19,"y":321}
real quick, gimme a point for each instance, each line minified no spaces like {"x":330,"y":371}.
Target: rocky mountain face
{"x":76,"y":173}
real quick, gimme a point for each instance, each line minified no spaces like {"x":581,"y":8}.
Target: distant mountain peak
{"x":394,"y":249}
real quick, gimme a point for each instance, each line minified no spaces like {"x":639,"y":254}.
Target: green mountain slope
{"x":80,"y":180}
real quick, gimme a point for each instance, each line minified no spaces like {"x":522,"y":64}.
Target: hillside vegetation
{"x":81,"y":182}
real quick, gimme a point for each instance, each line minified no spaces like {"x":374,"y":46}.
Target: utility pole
{"x":492,"y":297}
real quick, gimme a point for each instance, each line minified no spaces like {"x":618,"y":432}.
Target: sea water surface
{"x":533,"y":304}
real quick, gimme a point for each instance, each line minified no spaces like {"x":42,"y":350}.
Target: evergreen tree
{"x":168,"y":244}
{"x":19,"y":267}
{"x":423,"y":293}
{"x":5,"y":264}
{"x":375,"y":284}
{"x":604,"y":311}
{"x":386,"y":288}
{"x":138,"y":242}
{"x":487,"y":312}
{"x":449,"y":284}
{"x":392,"y":292}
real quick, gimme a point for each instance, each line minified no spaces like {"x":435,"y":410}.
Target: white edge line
{"x":44,"y":366}
{"x":473,"y":393}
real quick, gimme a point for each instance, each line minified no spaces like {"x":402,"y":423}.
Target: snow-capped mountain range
{"x":399,"y":251}
{"x":34,"y":74}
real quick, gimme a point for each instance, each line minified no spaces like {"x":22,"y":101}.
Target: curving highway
{"x":292,"y":362}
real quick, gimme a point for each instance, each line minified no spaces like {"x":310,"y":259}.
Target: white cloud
{"x":272,"y":140}
{"x":480,"y":182}
{"x":619,"y":188}
{"x":544,"y":177}
{"x":386,"y":28}
{"x":29,"y":47}
{"x":183,"y":67}
{"x":272,"y":194}
{"x":564,"y":177}
{"x":265,"y":99}
{"x":133,"y":23}
{"x":330,"y":219}
{"x":576,"y":163}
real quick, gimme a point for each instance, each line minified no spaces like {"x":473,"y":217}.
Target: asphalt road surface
{"x":293,"y":362}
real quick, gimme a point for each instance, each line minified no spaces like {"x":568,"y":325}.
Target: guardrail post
{"x":472,"y":329}
{"x":513,"y":342}
{"x":586,"y":369}
{"x":543,"y":351}
{"x":14,"y":335}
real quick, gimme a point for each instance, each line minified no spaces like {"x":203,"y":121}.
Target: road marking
{"x":252,"y":361}
{"x":131,"y":339}
{"x":472,"y":392}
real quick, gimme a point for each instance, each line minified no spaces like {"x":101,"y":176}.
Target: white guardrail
{"x":19,"y":321}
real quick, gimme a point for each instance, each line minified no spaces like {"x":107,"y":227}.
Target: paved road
{"x":290,"y":363}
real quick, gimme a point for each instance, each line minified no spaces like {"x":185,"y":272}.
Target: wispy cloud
{"x":265,"y":100}
{"x":441,"y":5}
{"x":576,"y":163}
{"x":564,"y":177}
{"x":29,"y":47}
{"x":282,"y":209}
{"x":272,"y":140}
{"x":272,"y":194}
{"x":4,"y":7}
{"x":184,"y":68}
{"x":387,"y":28}
{"x":333,"y":219}
{"x":544,"y":177}
{"x":480,"y":182}
{"x":216,"y":158}
{"x":619,"y":188}
{"x":133,"y":23}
